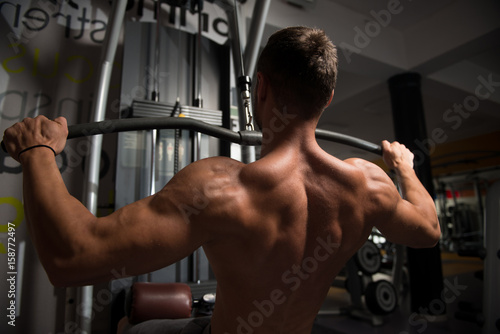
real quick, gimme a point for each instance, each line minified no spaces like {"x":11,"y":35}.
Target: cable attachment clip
{"x":244,"y":84}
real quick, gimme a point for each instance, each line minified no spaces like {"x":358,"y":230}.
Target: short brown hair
{"x":301,"y":64}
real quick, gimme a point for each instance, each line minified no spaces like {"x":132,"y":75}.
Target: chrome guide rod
{"x":154,"y":138}
{"x":156,"y":92}
{"x":198,"y":98}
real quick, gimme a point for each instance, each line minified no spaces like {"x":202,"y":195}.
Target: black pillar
{"x":424,"y":265}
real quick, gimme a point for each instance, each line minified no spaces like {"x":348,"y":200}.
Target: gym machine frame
{"x":85,"y":295}
{"x":98,"y":126}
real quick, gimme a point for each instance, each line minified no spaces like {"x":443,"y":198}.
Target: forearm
{"x":414,"y":192}
{"x":57,"y":221}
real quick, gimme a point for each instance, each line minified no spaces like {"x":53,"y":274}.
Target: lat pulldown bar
{"x":250,"y":138}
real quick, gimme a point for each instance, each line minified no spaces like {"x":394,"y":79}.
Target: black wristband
{"x":35,"y":146}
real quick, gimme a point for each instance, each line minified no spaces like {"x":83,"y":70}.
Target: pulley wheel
{"x":381,"y":297}
{"x":368,"y":258}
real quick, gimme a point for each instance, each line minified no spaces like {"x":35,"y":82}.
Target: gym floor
{"x":462,"y":271}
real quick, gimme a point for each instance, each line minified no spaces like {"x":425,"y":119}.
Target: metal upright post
{"x":236,"y":47}
{"x":242,"y":80}
{"x":85,"y":294}
{"x":254,"y":41}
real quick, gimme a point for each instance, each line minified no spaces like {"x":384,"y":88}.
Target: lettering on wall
{"x":32,"y":20}
{"x":78,"y":22}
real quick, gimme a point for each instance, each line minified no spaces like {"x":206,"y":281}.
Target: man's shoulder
{"x":219,"y":161}
{"x":358,"y":162}
{"x":369,"y":169}
{"x":209,"y":187}
{"x":378,"y":185}
{"x":214,"y":165}
{"x":207,"y":174}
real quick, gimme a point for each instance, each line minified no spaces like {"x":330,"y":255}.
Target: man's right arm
{"x":411,"y":219}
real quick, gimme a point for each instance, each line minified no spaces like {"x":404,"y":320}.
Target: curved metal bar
{"x":151,"y":123}
{"x":349,"y":140}
{"x":250,"y":138}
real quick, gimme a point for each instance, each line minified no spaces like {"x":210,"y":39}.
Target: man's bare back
{"x":276,"y":231}
{"x":286,"y":245}
{"x":297,"y":216}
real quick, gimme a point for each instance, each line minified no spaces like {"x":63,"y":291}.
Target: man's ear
{"x":262,"y":86}
{"x":331,"y":98}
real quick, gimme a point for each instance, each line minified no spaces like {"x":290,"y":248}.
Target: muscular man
{"x":276,"y":231}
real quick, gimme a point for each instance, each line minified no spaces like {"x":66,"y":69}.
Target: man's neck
{"x":297,"y":134}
